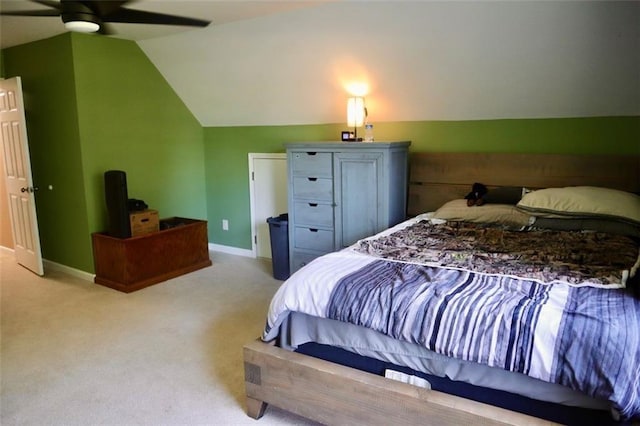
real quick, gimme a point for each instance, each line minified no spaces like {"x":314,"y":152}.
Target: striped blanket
{"x":586,"y":338}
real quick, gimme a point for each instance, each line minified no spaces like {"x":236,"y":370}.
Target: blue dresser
{"x":340,"y":192}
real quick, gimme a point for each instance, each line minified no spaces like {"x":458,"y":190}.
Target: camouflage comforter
{"x":576,"y":258}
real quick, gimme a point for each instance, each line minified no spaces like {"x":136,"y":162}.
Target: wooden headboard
{"x":437,"y":177}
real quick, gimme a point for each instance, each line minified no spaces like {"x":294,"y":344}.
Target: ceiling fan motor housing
{"x":78,"y":11}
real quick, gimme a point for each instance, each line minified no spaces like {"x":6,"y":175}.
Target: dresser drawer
{"x":313,"y":239}
{"x":313,"y":214}
{"x":314,"y":164}
{"x":314,"y":188}
{"x":300,"y":259}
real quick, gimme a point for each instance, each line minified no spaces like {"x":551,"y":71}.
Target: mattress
{"x":299,"y":329}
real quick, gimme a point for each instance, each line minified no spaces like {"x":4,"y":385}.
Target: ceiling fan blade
{"x":32,"y":13}
{"x":104,"y":7}
{"x":49,"y":3}
{"x":133,"y":16}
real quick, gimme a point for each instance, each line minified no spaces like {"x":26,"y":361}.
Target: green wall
{"x":94,"y":104}
{"x":597,"y":135}
{"x":226,"y":152}
{"x":46,"y":69}
{"x":227,"y":167}
{"x":130,"y":119}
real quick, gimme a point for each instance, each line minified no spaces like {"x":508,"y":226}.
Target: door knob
{"x":24,"y":189}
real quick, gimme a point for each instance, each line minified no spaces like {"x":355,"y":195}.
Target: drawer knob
{"x":313,"y":230}
{"x":312,"y":179}
{"x":311,"y":153}
{"x":313,"y":204}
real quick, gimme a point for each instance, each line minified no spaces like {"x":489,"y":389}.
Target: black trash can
{"x":279,"y":232}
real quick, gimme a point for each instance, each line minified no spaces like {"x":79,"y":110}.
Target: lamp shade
{"x":355,"y":112}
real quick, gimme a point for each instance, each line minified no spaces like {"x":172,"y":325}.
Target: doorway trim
{"x":252,"y":193}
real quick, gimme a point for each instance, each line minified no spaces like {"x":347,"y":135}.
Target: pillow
{"x":583,"y":202}
{"x":610,"y":226}
{"x":504,"y":214}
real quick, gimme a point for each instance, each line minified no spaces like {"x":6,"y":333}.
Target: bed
{"x":285,"y":367}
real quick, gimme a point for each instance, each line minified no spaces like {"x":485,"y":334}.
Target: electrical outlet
{"x":225,"y":225}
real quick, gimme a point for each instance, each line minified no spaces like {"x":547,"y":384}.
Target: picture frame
{"x":348,"y":136}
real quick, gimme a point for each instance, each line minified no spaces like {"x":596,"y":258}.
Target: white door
{"x":268,"y":191}
{"x":20,"y":188}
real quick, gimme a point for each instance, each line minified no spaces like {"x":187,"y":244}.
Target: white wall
{"x":423,"y":61}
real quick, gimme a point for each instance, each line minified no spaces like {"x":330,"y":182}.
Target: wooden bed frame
{"x":333,"y":394}
{"x":440,"y":177}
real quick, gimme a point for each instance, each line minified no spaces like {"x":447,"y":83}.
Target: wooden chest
{"x":129,"y":264}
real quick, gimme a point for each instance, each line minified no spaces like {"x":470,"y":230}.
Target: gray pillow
{"x":610,"y":226}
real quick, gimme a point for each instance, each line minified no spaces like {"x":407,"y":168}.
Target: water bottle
{"x":368,"y":132}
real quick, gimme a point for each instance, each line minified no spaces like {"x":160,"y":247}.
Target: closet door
{"x":358,"y":196}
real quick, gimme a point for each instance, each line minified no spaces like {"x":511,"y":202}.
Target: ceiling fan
{"x":94,"y":15}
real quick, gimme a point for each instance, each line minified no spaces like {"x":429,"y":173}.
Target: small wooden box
{"x":144,"y":222}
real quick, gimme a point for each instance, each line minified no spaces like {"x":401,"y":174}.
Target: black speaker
{"x":115,"y":191}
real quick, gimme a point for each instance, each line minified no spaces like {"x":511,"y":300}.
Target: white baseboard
{"x":231,"y":250}
{"x":48,"y":264}
{"x":54,"y":266}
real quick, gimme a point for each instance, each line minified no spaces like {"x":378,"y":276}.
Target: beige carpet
{"x":77,"y":353}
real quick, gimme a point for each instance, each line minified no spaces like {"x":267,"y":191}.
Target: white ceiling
{"x":19,"y":30}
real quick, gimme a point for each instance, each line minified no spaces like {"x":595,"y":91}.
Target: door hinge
{"x":255,"y":239}
{"x":253,"y":176}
